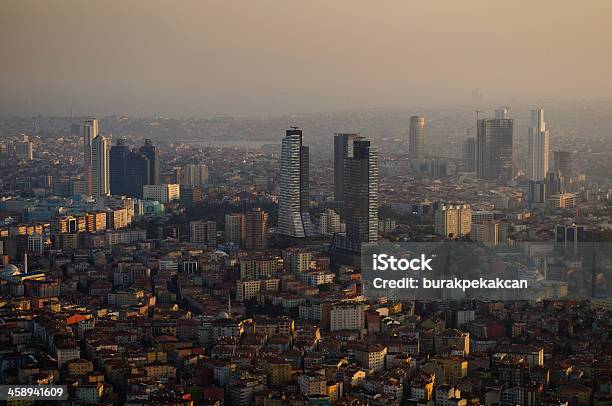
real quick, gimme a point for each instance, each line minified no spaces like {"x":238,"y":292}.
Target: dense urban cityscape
{"x":306,"y":203}
{"x":139,"y":268}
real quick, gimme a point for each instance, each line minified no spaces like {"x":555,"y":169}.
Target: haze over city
{"x":306,"y":203}
{"x":211,"y":58}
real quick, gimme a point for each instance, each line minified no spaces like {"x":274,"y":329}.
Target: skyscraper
{"x":256,"y":230}
{"x":538,"y":146}
{"x":494,"y":147}
{"x":118,"y":168}
{"x":453,"y":221}
{"x":416,"y":143}
{"x":100,"y":166}
{"x":554,"y":184}
{"x":343,"y":148}
{"x":137,"y":173}
{"x":24,"y":150}
{"x":330,"y":223}
{"x":294,"y":200}
{"x":235,"y":228}
{"x":536,"y":193}
{"x":469,"y":155}
{"x":361,"y":194}
{"x":194,"y":175}
{"x":91,"y":130}
{"x":562,"y":163}
{"x":203,"y":232}
{"x":152,"y":153}
{"x":492,"y":232}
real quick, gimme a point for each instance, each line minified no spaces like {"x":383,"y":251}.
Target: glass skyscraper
{"x":294,"y":199}
{"x":494,"y":147}
{"x":343,"y":148}
{"x":361,"y":194}
{"x":538,"y":147}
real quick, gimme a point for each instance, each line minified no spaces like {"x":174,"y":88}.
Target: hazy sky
{"x":253,"y":57}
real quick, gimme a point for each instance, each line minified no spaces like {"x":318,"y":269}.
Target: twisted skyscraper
{"x":293,"y":202}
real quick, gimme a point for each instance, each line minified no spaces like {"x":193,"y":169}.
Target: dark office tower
{"x":416,"y":143}
{"x":554,"y":184}
{"x":256,"y":230}
{"x":536,"y":193}
{"x":343,"y":148}
{"x":361,"y":194}
{"x":562,"y":163}
{"x":152,"y":153}
{"x":137,"y":172}
{"x":494,"y":147}
{"x":118,"y":168}
{"x":100,"y":166}
{"x":469,"y":155}
{"x":293,"y":201}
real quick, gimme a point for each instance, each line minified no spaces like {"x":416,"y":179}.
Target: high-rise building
{"x":493,"y":232}
{"x":256,"y":230}
{"x":91,"y":130}
{"x":343,"y":148}
{"x":361,"y":194}
{"x":194,"y":175}
{"x":100,"y":166}
{"x":537,"y":192}
{"x":562,"y":163}
{"x":235,"y":228}
{"x":469,"y":155}
{"x":330,"y":222}
{"x":494,"y":147}
{"x":294,"y":199}
{"x":118,"y":168}
{"x":137,"y":173}
{"x":416,"y":143}
{"x":554,"y":184}
{"x":453,"y":221}
{"x":24,"y":149}
{"x":152,"y":153}
{"x":297,"y":260}
{"x":204,"y":232}
{"x":174,"y":175}
{"x":538,"y":147}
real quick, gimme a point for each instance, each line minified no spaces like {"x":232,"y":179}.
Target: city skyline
{"x":344,"y":203}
